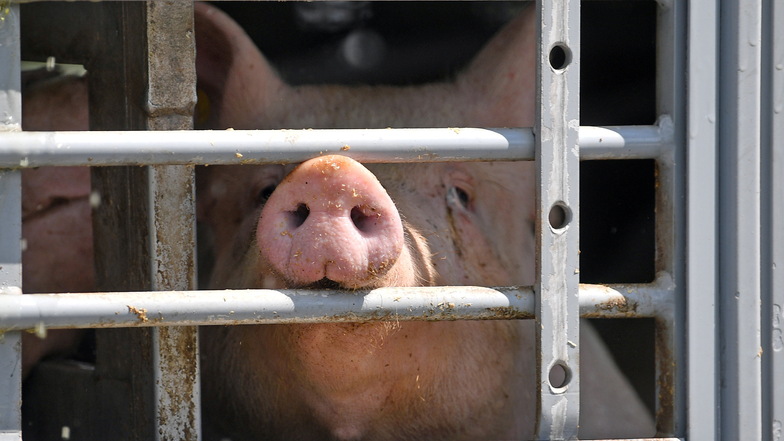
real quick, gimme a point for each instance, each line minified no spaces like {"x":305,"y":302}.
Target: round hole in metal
{"x":560,"y":215}
{"x":559,"y":376}
{"x":560,"y":56}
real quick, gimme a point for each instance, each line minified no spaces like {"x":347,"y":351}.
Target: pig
{"x":363,"y":380}
{"x":334,"y":223}
{"x":55,"y":212}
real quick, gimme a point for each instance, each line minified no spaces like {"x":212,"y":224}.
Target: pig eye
{"x":264,"y":195}
{"x":459,"y":197}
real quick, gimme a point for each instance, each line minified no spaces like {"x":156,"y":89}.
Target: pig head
{"x":334,"y":223}
{"x":461,"y":223}
{"x":331,"y":224}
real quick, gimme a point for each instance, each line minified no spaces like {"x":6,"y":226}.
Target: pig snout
{"x":330,"y":221}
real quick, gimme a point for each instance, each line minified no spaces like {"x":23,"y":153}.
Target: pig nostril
{"x":298,"y":216}
{"x":361,"y":220}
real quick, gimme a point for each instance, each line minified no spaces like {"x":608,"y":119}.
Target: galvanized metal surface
{"x":144,"y":221}
{"x":262,"y":306}
{"x":670,"y":343}
{"x":171,"y":97}
{"x":222,"y":307}
{"x":10,"y":75}
{"x":739,"y":220}
{"x":37,"y":149}
{"x":702,"y":220}
{"x":557,"y":225}
{"x":773,"y":221}
{"x":656,"y":299}
{"x":10,"y":273}
{"x":11,"y":222}
{"x":649,"y":439}
{"x":173,"y":260}
{"x":627,"y":142}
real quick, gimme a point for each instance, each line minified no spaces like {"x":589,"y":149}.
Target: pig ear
{"x":501,"y":79}
{"x":234,"y":78}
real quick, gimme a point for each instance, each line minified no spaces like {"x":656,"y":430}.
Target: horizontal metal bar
{"x":209,"y":147}
{"x":646,"y":439}
{"x":629,"y":301}
{"x":221,"y":307}
{"x":627,"y":142}
{"x":11,"y":435}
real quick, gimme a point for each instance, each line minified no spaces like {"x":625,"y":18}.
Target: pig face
{"x":452,"y":227}
{"x":329,"y":223}
{"x":334,"y":223}
{"x":357,"y":380}
{"x":364,"y":380}
{"x":367,"y":380}
{"x":469,"y":213}
{"x":457,"y":207}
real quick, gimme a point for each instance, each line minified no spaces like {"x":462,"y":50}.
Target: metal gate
{"x":719,"y":289}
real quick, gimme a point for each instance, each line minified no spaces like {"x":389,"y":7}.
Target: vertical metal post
{"x":702,"y":219}
{"x":170,"y":102}
{"x":672,"y":214}
{"x":145,"y":224}
{"x":739,"y":228}
{"x":773,"y":222}
{"x":10,"y":281}
{"x":11,"y":222}
{"x":557,"y":156}
{"x":175,"y":349}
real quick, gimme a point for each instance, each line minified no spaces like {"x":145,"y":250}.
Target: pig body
{"x":367,"y":381}
{"x":55,"y":213}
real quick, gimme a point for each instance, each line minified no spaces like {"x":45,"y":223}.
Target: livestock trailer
{"x":713,"y":298}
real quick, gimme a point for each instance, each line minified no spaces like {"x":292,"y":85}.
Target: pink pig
{"x":332,"y":223}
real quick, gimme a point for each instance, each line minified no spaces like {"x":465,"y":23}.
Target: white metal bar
{"x":260,"y":306}
{"x":739,"y":219}
{"x":702,"y":220}
{"x":263,"y":306}
{"x":11,"y":222}
{"x":627,"y":142}
{"x":99,"y":148}
{"x":656,"y":300}
{"x":648,"y":439}
{"x":557,"y":227}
